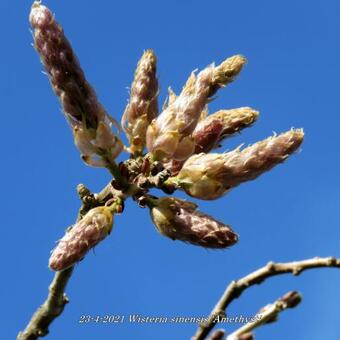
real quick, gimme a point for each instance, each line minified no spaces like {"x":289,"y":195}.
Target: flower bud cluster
{"x":178,"y":140}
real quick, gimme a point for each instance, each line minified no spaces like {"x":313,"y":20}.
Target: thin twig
{"x":50,"y":309}
{"x":236,"y":288}
{"x":268,"y":314}
{"x":112,"y":166}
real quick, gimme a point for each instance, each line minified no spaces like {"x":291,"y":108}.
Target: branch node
{"x":271,"y":266}
{"x":331,"y":261}
{"x":65,"y":299}
{"x":83,"y":191}
{"x":296,"y":270}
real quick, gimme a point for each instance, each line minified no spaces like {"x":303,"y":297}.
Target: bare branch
{"x":268,"y":314}
{"x":236,"y":288}
{"x":50,"y":309}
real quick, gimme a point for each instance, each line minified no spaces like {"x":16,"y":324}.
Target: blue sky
{"x":291,"y":213}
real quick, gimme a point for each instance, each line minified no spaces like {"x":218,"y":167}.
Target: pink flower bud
{"x":220,"y":125}
{"x":89,"y":120}
{"x":142,"y":107}
{"x":180,"y":117}
{"x":82,"y":237}
{"x":179,"y":220}
{"x":209,"y":176}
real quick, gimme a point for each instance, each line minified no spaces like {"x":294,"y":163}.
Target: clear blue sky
{"x":292,"y":78}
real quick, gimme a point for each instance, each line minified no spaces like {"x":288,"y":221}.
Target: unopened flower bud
{"x":90,"y":122}
{"x":142,"y":107}
{"x":220,"y":125}
{"x":180,"y":220}
{"x":207,"y":135}
{"x":291,"y":299}
{"x":209,"y":176}
{"x":245,"y":336}
{"x":82,"y":237}
{"x":67,"y":78}
{"x":185,"y":148}
{"x":94,"y":143}
{"x":212,"y":129}
{"x":217,"y":335}
{"x":226,"y":72}
{"x":179,"y":119}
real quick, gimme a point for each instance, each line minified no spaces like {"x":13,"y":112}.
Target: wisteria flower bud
{"x":78,"y":99}
{"x":180,"y":220}
{"x":180,"y":118}
{"x":212,"y":129}
{"x":95,"y":143}
{"x":226,"y":72}
{"x":220,"y":125}
{"x":142,"y":107}
{"x":82,"y":237}
{"x":209,"y":176}
{"x":207,"y":135}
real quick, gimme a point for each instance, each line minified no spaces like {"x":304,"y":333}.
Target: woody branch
{"x":235,"y":289}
